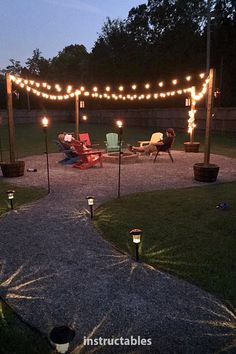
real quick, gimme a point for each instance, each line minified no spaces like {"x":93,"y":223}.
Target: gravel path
{"x":56,"y":269}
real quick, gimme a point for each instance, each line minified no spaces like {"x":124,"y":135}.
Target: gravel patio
{"x":56,"y":269}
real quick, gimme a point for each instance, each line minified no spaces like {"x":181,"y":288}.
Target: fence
{"x":224,"y":119}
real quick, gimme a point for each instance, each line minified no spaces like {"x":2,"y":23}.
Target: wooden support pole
{"x":11,"y":128}
{"x":209,"y":116}
{"x":28,"y":101}
{"x":208,"y":44}
{"x":193,"y":107}
{"x":77,"y":116}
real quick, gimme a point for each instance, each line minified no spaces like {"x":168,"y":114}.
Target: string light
{"x":25,"y":84}
{"x":69,"y":88}
{"x":191,"y":120}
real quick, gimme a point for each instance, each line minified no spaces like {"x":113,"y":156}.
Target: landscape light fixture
{"x":90,"y":201}
{"x":45,"y":123}
{"x":61,"y":338}
{"x":10,"y":196}
{"x":136,"y":235}
{"x":119,"y":124}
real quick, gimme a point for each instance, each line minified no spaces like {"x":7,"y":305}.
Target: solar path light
{"x":10,"y":196}
{"x":136,"y":235}
{"x":61,"y":338}
{"x":90,"y":201}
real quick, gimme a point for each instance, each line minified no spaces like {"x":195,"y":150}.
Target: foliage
{"x":37,"y":65}
{"x":157,"y":40}
{"x":71,"y":64}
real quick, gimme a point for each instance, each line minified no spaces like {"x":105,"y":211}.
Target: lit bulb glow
{"x":45,"y":122}
{"x":119,"y":123}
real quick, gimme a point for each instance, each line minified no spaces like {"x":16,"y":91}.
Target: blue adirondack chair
{"x":70,"y":156}
{"x":112,"y":142}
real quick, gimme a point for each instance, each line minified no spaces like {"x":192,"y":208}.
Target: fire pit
{"x":126,"y":157}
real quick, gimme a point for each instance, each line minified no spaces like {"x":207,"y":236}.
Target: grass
{"x":22,"y":196}
{"x":183,"y":233}
{"x":30,"y":138}
{"x":17,"y":337}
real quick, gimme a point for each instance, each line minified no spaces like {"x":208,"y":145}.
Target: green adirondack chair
{"x":112,"y":142}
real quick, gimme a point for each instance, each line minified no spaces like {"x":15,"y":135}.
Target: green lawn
{"x":30,"y":138}
{"x":183,"y":233}
{"x":22,"y":196}
{"x":16,"y":337}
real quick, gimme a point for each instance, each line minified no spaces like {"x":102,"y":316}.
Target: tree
{"x":37,"y":65}
{"x":71,"y":64}
{"x":14,"y":68}
{"x":111,"y":52}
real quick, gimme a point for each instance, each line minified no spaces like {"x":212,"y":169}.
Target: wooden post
{"x":209,"y":116}
{"x":77,"y":116}
{"x":193,"y":107}
{"x":208,"y":44}
{"x":11,"y":128}
{"x":28,"y":101}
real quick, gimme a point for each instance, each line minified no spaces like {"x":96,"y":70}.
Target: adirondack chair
{"x":154,"y":139}
{"x":70,"y":156}
{"x":112,"y":142}
{"x":88,"y":158}
{"x":85,"y":138}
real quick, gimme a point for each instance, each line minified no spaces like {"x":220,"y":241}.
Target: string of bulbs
{"x":36,"y":87}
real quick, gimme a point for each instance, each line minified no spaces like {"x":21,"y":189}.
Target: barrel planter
{"x":13,"y":169}
{"x":191,"y":147}
{"x":205,"y":173}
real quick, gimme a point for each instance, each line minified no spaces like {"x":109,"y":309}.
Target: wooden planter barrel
{"x":205,"y":173}
{"x":13,"y":169}
{"x":191,"y":147}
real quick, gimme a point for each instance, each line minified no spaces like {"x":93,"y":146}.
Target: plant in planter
{"x":192,"y":146}
{"x":13,"y":168}
{"x":207,"y":172}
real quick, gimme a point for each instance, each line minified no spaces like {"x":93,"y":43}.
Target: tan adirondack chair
{"x":154,"y":139}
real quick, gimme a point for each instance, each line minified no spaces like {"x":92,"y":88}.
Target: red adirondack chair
{"x":88,"y":158}
{"x":84,"y":138}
